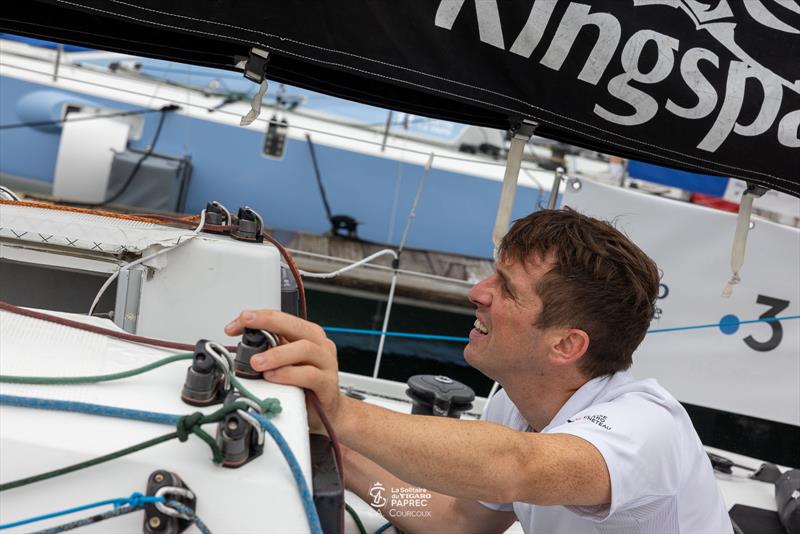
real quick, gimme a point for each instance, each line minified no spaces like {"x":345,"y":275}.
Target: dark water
{"x":402,"y":357}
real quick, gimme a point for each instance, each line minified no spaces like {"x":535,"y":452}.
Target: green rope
{"x":92,"y":379}
{"x":87,"y":463}
{"x":271,"y":407}
{"x":189,"y":424}
{"x":354,"y":515}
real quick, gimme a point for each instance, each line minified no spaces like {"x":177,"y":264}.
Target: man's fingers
{"x":297,"y":352}
{"x":283,"y":324}
{"x":303,"y":376}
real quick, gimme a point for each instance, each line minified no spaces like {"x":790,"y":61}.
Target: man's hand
{"x":306,"y":359}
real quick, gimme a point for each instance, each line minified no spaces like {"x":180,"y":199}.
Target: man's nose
{"x":479,"y":294}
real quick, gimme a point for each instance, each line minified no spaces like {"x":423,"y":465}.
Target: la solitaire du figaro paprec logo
{"x":399,"y":502}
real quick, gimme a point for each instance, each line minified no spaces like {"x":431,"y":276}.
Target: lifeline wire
{"x":435,"y":337}
{"x":146,"y":258}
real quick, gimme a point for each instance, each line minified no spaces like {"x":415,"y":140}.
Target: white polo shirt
{"x":661,"y":478}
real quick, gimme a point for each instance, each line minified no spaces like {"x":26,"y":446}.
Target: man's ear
{"x":570,"y":346}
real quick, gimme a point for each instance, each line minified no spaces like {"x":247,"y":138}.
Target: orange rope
{"x":111,"y":214}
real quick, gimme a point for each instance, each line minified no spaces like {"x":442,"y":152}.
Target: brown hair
{"x":600,"y":283}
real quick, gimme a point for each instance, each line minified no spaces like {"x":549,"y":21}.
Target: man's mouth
{"x":479,"y":328}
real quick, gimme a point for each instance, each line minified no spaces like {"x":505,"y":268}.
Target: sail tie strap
{"x":740,"y":237}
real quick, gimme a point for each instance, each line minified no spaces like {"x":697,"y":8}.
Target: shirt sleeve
{"x":498,"y":412}
{"x":637,"y":436}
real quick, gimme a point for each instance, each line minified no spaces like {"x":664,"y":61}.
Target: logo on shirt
{"x":599,"y":420}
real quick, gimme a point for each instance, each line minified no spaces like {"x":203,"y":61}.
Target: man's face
{"x":505,"y":340}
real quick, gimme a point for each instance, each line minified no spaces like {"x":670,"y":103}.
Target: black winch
{"x":439,"y":395}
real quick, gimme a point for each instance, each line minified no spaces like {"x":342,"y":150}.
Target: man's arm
{"x":441,"y":513}
{"x":473,"y":460}
{"x":476,"y":460}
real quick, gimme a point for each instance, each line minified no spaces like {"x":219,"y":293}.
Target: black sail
{"x":711,"y":86}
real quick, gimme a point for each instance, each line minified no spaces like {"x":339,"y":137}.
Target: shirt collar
{"x":584,"y":397}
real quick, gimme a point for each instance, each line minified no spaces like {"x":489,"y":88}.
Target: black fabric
{"x":464,"y":60}
{"x":750,"y":436}
{"x":752,"y":520}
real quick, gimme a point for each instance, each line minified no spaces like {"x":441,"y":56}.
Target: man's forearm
{"x":449,"y":456}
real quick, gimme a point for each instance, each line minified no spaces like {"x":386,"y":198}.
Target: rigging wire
{"x":412,"y":213}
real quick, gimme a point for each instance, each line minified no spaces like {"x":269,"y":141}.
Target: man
{"x":573,"y":443}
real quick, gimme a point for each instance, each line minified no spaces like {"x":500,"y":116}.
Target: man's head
{"x":568,"y":285}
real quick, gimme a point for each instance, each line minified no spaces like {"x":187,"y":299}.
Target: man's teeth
{"x":479,"y":326}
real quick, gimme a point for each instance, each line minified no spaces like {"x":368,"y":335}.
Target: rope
{"x":351,"y":266}
{"x":91,"y":379}
{"x":297,"y":472}
{"x":89,"y":463}
{"x":136,"y":500}
{"x":5,"y":306}
{"x":383,"y":528}
{"x":356,"y":519}
{"x":190,"y":513}
{"x":184,"y":426}
{"x":88,"y":520}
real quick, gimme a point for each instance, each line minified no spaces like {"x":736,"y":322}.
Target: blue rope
{"x":172,"y":420}
{"x":190,"y":513}
{"x":91,"y":520}
{"x":294,"y":466}
{"x":136,"y":500}
{"x":411,"y":335}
